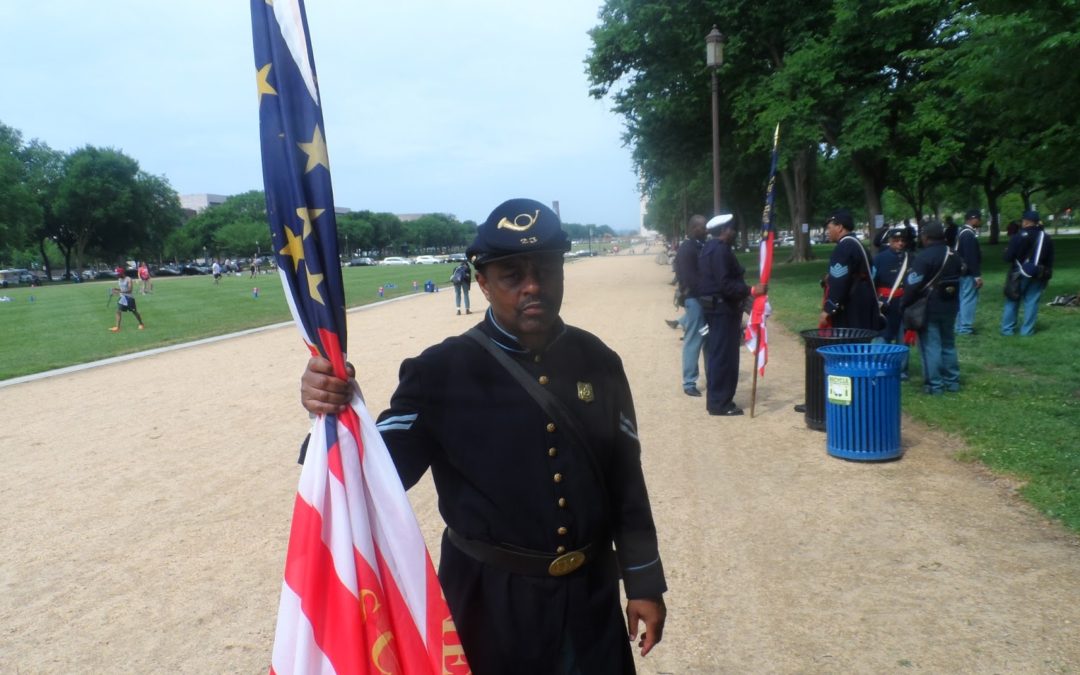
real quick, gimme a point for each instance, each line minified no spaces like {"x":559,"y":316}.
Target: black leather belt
{"x":522,"y":562}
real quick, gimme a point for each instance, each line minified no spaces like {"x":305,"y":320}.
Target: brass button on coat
{"x":552,"y":452}
{"x":544,"y":379}
{"x":551,"y":427}
{"x":558,"y":477}
{"x":562,"y":502}
{"x":561,"y":550}
{"x":562,"y":531}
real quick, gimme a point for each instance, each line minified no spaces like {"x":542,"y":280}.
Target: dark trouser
{"x":722,"y":366}
{"x":511,"y":624}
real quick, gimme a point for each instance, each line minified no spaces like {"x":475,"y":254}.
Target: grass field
{"x":1019,"y":406}
{"x":63,"y":324}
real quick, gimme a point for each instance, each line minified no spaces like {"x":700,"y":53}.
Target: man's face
{"x":726,"y":235}
{"x":834,"y":230}
{"x":897,"y":244}
{"x":697,"y":229}
{"x":525,"y":292}
{"x":1027,"y":223}
{"x":974,"y":222}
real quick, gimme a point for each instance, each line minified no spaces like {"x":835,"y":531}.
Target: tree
{"x":234,"y":227}
{"x":44,"y":172}
{"x":97,"y":204}
{"x":20,"y":213}
{"x":159,"y":213}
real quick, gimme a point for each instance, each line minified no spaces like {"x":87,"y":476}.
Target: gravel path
{"x":147,"y":504}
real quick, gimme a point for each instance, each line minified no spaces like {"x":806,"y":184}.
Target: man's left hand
{"x":653,"y":612}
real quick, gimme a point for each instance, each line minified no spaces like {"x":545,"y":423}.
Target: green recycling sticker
{"x":839,"y":390}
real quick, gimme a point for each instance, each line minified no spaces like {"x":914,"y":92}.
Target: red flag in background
{"x":360,"y":594}
{"x":757,"y":335}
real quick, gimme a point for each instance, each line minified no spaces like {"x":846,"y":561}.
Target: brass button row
{"x":551,"y":427}
{"x":544,"y":379}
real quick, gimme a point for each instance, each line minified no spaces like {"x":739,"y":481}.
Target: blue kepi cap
{"x":516,"y":227}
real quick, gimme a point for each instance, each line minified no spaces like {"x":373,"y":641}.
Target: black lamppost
{"x":714,"y":58}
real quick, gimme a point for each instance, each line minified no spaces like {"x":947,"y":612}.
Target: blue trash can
{"x":862,"y":401}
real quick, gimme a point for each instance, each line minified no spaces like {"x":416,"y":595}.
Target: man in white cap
{"x":722,"y":289}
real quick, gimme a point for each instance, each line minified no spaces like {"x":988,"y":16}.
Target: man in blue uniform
{"x":686,"y":275}
{"x":891,"y":264}
{"x":967,"y":249}
{"x":936,"y":273}
{"x":722,"y":289}
{"x":1031,"y":255}
{"x":850,"y":297}
{"x":528,"y":427}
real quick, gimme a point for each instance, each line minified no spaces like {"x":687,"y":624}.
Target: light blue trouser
{"x":1030,"y":293}
{"x":693,"y":342}
{"x":937,"y":344}
{"x":460,"y":290}
{"x":969,"y":300}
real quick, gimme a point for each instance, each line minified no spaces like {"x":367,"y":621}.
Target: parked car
{"x":426,"y":260}
{"x":361,"y":262}
{"x":456,"y":258}
{"x":166,"y":271}
{"x":395,"y":260}
{"x":193,"y":269}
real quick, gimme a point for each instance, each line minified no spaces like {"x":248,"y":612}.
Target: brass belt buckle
{"x":566,"y":563}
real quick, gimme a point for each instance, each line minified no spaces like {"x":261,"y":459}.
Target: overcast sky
{"x":429,"y":105}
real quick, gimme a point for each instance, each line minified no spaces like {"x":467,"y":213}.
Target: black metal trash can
{"x":815,"y":366}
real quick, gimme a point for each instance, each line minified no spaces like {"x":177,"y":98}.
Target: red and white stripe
{"x":360,"y":594}
{"x":757,"y":335}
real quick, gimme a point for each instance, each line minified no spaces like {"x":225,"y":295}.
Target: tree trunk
{"x":872,"y":174}
{"x":67,"y":258}
{"x":45,"y":258}
{"x":995,"y":217}
{"x":992,"y":194}
{"x":797,"y":179}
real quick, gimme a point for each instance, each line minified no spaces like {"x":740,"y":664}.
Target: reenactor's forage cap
{"x":515,"y":227}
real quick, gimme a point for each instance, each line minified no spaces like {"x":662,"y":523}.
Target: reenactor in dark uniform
{"x":890,"y":267}
{"x":850,"y":296}
{"x":1031,"y":255}
{"x":967,"y":248}
{"x":936,"y":272}
{"x":722,"y":289}
{"x":528,"y":427}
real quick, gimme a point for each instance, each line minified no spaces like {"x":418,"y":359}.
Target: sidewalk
{"x":147,"y":507}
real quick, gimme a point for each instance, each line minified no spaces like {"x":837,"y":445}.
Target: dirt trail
{"x":147,"y":504}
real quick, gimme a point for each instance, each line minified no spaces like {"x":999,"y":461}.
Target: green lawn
{"x":1019,"y":406}
{"x":65,"y":324}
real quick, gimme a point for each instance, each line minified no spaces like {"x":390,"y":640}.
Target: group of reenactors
{"x":942,"y":281}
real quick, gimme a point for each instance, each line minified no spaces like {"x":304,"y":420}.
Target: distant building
{"x":195,"y":204}
{"x":642,"y":229}
{"x":200,"y":202}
